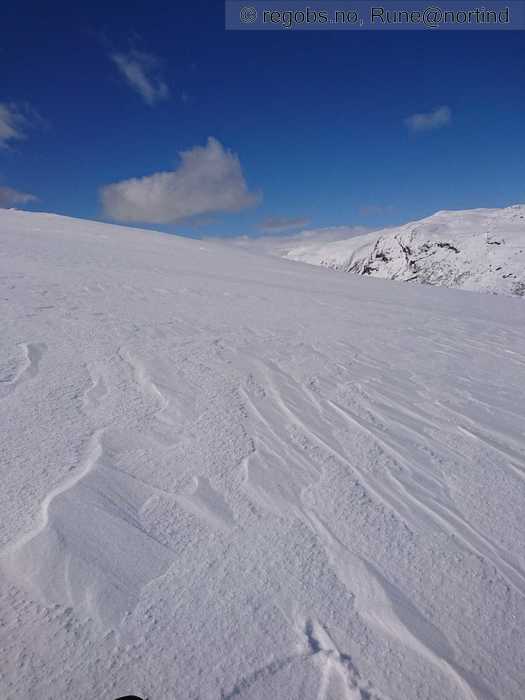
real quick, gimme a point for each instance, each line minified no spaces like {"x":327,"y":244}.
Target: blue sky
{"x":307,"y":128}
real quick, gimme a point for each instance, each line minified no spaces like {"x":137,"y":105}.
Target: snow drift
{"x":231,"y":476}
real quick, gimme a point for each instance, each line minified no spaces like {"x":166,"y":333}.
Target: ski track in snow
{"x":332,"y":665}
{"x":293,"y":484}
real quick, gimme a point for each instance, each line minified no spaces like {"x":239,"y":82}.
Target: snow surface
{"x":231,"y":476}
{"x":480,"y":250}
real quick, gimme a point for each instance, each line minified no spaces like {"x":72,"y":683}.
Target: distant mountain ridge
{"x":480,"y":250}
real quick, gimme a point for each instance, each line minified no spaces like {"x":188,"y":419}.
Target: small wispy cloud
{"x":13,"y":124}
{"x":209,"y":179}
{"x":10,"y":197}
{"x":280,"y":244}
{"x":437,"y":119}
{"x":142,"y":72}
{"x":281,"y":224}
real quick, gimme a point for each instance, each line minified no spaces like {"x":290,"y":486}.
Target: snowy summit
{"x":480,"y":250}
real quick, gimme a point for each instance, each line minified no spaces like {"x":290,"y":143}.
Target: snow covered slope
{"x":232,"y":476}
{"x":481,"y":250}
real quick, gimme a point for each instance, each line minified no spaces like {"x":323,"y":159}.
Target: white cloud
{"x":440,"y":117}
{"x":12,"y":124}
{"x":209,"y":179}
{"x":280,"y":245}
{"x":141,"y":71}
{"x":10,"y":197}
{"x":280,"y":224}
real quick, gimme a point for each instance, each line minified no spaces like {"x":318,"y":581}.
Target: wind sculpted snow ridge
{"x":480,"y":250}
{"x":231,"y":476}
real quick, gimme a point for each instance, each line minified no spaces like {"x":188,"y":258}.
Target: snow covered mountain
{"x":481,"y":250}
{"x":226,"y":475}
